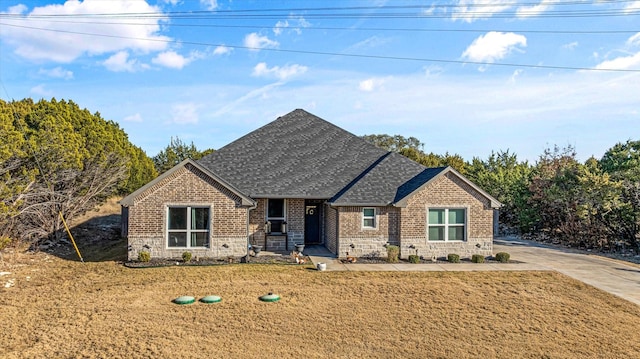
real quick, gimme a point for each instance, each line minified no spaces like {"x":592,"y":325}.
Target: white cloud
{"x":370,"y":85}
{"x":296,"y":23}
{"x":56,"y":45}
{"x":222,"y":50}
{"x":281,"y":73}
{"x":634,"y":40}
{"x":57,"y":72}
{"x":174,"y":60}
{"x":632,"y":6}
{"x":209,"y":4}
{"x":621,"y":63}
{"x":172,"y":2}
{"x":534,"y":10}
{"x":515,"y":76}
{"x":370,"y":42}
{"x":184,"y":113}
{"x":255,"y":42}
{"x":40,"y":90}
{"x":17,"y":9}
{"x":471,"y":10}
{"x":133,"y":118}
{"x":570,"y":46}
{"x":277,"y":29}
{"x":493,"y":46}
{"x":630,"y":59}
{"x":120,"y":62}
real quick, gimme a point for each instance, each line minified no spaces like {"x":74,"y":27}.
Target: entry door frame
{"x":313,"y":217}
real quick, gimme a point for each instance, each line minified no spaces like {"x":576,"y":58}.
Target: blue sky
{"x":464,"y":76}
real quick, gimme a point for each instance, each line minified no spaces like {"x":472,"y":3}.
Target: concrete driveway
{"x":616,"y":277}
{"x":610,"y":275}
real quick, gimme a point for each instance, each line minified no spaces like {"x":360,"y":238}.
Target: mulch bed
{"x":379,"y":260}
{"x":260,"y":259}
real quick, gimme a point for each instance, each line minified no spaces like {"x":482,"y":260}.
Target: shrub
{"x":414,"y":258}
{"x":4,"y":242}
{"x":502,"y":257}
{"x":186,"y":257}
{"x":477,"y":258}
{"x":144,"y":256}
{"x":393,"y":252}
{"x":453,"y":258}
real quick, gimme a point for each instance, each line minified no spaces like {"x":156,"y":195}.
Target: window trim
{"x":188,"y":230}
{"x":365,"y":217}
{"x":447,"y":225}
{"x":284,"y":212}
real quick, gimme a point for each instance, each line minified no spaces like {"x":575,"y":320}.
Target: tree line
{"x":56,"y":158}
{"x":595,"y":204}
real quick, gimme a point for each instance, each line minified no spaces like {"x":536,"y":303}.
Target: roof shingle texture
{"x":300,"y":155}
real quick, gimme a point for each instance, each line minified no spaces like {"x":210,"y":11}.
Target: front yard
{"x":61,"y":308}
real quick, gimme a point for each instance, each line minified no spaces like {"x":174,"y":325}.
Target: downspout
{"x":249,"y":209}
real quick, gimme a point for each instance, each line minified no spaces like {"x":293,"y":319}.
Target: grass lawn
{"x":60,"y":308}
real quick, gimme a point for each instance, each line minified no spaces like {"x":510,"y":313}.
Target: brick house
{"x":301,"y":179}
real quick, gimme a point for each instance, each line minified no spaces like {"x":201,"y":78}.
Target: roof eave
{"x":355,"y":204}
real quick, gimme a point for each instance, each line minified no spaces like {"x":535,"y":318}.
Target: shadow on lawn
{"x":98,"y":240}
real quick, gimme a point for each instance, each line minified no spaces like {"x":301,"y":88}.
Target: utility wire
{"x":306,"y":52}
{"x":588,"y":32}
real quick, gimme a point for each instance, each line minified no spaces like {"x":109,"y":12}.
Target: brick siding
{"x":295,"y":225}
{"x":407,"y":226}
{"x":187,"y":186}
{"x":447,"y":191}
{"x":359,"y":241}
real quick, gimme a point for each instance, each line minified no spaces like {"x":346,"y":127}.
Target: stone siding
{"x":447,"y":191}
{"x":187,"y":186}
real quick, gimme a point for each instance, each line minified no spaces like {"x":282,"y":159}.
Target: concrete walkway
{"x":613,"y":276}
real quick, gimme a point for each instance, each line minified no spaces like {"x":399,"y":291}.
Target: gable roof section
{"x":129,"y":200}
{"x":299,"y":155}
{"x":389,"y":181}
{"x":426,"y":178}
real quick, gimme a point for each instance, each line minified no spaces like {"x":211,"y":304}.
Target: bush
{"x":414,"y":258}
{"x":4,"y":242}
{"x":502,"y":257}
{"x":453,"y":258}
{"x":186,"y":257}
{"x":393,"y":252}
{"x":477,"y":258}
{"x":144,"y":256}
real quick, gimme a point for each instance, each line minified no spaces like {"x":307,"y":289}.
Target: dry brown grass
{"x":60,"y":308}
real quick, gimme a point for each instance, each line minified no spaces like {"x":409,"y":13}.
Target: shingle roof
{"x":300,"y":155}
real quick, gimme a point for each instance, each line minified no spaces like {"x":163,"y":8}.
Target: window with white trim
{"x":368,"y":218}
{"x":276,"y":209}
{"x":188,"y":227}
{"x":447,"y":224}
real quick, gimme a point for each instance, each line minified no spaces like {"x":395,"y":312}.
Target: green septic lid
{"x":185,"y":299}
{"x":210,"y":299}
{"x":270,"y":297}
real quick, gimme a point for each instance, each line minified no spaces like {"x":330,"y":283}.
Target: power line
{"x":473,"y":10}
{"x":586,"y":32}
{"x":308,"y":52}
